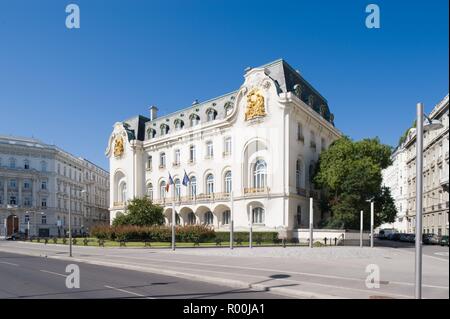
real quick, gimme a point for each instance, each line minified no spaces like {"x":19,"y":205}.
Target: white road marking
{"x":445,"y":254}
{"x":7,"y":263}
{"x":53,"y":273}
{"x":128,"y":292}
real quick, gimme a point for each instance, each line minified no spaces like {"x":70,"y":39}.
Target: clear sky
{"x":68,"y":87}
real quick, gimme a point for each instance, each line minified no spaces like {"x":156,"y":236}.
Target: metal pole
{"x":311,"y":222}
{"x":251,"y":228}
{"x":28,"y":227}
{"x":361,"y":231}
{"x":70,"y":221}
{"x":173,"y":220}
{"x":232,"y":221}
{"x":372,"y":218}
{"x":419,"y":191}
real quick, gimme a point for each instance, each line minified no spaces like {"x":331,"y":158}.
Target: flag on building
{"x":169,"y":183}
{"x":186,"y":179}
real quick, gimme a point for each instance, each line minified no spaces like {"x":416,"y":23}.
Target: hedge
{"x":154,"y":233}
{"x":245,"y":236}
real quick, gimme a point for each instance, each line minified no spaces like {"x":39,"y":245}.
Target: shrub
{"x":244,"y":236}
{"x":154,"y":233}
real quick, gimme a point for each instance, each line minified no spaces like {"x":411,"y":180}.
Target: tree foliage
{"x":350,"y":173}
{"x":141,"y":212}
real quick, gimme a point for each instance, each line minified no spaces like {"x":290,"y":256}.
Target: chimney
{"x":153,"y":112}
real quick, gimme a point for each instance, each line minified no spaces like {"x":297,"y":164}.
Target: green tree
{"x":141,"y":212}
{"x":349,"y":173}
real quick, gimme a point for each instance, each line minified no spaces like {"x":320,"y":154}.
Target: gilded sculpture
{"x":118,"y":147}
{"x":255,"y":105}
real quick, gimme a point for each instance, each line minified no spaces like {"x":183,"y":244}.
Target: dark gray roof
{"x":287,"y":79}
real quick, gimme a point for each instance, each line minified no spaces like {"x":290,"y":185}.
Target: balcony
{"x":176,"y":164}
{"x":226,"y":154}
{"x":191,"y":162}
{"x":118,"y":204}
{"x":162,"y":166}
{"x":257,"y":190}
{"x":301,"y":138}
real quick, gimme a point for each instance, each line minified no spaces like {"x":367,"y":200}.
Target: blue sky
{"x":68,"y":87}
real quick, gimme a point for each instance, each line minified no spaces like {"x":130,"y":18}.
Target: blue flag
{"x":186,"y":179}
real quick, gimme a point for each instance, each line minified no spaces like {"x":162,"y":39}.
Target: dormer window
{"x":179,"y":124}
{"x":211,"y":115}
{"x":195,"y":119}
{"x":151,"y":133}
{"x":311,"y":100}
{"x":164,"y":129}
{"x":228,"y":108}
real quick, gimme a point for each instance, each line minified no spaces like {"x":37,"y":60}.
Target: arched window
{"x":228,"y":183}
{"x":226,"y":217}
{"x":211,"y":114}
{"x":192,"y":219}
{"x":164,"y":129}
{"x":123,"y":192}
{"x":162,"y":190}
{"x":162,"y":160}
{"x":179,"y":124}
{"x":258,"y":215}
{"x":150,"y":191}
{"x":228,"y":108}
{"x":193,"y":187}
{"x":177,"y":188}
{"x":209,"y":218}
{"x":195,"y":119}
{"x":260,"y":174}
{"x":151,"y":133}
{"x":210,"y":184}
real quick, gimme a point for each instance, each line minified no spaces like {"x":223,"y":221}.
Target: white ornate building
{"x":396,"y":178}
{"x":259,"y":143}
{"x":35,"y":180}
{"x":435,"y":171}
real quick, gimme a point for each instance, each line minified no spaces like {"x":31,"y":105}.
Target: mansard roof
{"x":286,"y":78}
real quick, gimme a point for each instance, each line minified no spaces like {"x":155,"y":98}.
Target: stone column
{"x":19,"y":185}
{"x":34,"y":203}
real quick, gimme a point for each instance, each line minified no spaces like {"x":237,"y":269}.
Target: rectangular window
{"x":300,"y":136}
{"x":12,"y":200}
{"x":44,"y":202}
{"x":209,"y":150}
{"x":26,"y":184}
{"x":192,"y":154}
{"x":44,"y":185}
{"x":44,"y":219}
{"x":177,"y":157}
{"x":12,"y":183}
{"x":149,"y":163}
{"x":227,"y":146}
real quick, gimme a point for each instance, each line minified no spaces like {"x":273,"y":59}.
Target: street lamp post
{"x":70,"y":221}
{"x":372,"y":221}
{"x":361,"y":229}
{"x":429,"y":125}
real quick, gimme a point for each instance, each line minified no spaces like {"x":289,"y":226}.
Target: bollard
{"x":325,"y":240}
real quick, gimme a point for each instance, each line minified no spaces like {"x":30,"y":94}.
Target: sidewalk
{"x":301,"y":272}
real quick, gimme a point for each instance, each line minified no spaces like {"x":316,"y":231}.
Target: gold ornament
{"x":118,"y":147}
{"x":255,"y":105}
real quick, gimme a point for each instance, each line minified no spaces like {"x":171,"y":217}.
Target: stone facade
{"x":35,"y":181}
{"x":435,"y":174}
{"x":258,"y":145}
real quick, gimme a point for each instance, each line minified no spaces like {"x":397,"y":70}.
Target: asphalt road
{"x":428,"y":250}
{"x":37,"y":277}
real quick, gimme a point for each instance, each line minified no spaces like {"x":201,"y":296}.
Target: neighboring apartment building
{"x":396,"y":178}
{"x":35,"y":181}
{"x":435,"y":174}
{"x":259,"y":143}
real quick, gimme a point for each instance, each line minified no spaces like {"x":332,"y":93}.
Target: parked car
{"x":16,"y":236}
{"x":431,"y":239}
{"x":444,"y":241}
{"x":408,"y":238}
{"x":384,"y":233}
{"x":396,"y":236}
